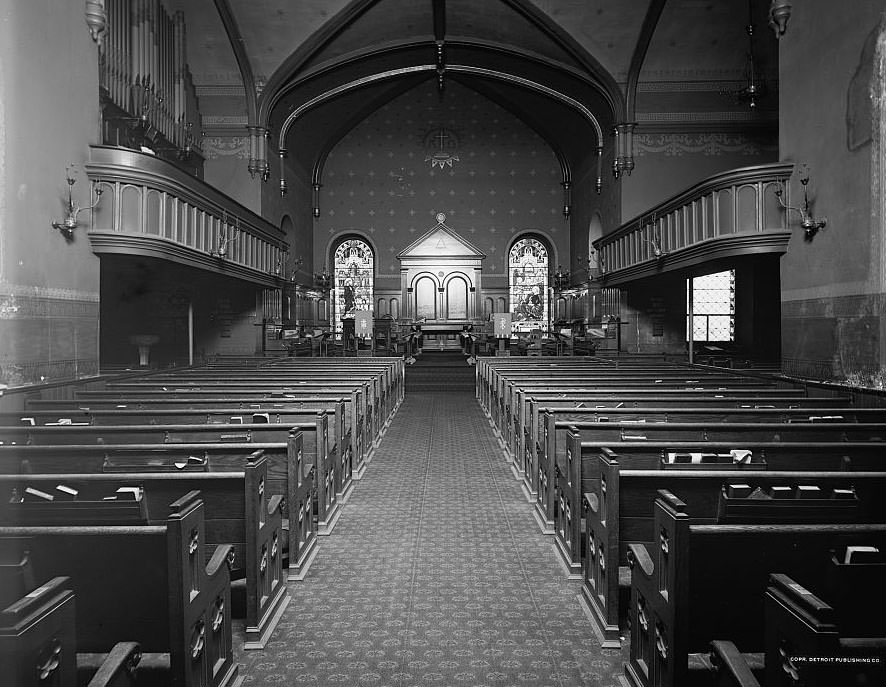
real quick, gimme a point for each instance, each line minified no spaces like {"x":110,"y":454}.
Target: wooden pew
{"x":377,"y":406}
{"x":38,"y":644}
{"x":351,"y":427}
{"x":238,"y":510}
{"x":273,"y":438}
{"x":561,"y":472}
{"x":505,"y":403}
{"x":618,"y":512}
{"x":701,"y":582}
{"x":577,"y":473}
{"x":148,"y":583}
{"x":811,"y":641}
{"x":842,"y":621}
{"x":171,"y":426}
{"x":531,"y":440}
{"x":290,"y":473}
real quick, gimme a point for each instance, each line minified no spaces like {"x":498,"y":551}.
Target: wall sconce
{"x":298,"y":262}
{"x":323,"y":280}
{"x":280,"y":264}
{"x":657,"y":252}
{"x":70,"y":222}
{"x":224,"y":238}
{"x":779,"y":14}
{"x":595,"y":265}
{"x":810,"y":226}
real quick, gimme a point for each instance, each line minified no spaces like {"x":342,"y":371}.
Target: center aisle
{"x":436,"y":574}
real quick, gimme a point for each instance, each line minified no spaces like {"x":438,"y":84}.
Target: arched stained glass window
{"x":354,"y":277}
{"x":528,"y":278}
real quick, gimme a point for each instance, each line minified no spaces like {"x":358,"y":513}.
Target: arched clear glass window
{"x":528,"y":267}
{"x":354,"y":277}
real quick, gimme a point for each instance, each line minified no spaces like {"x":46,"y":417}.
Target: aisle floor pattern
{"x":436,"y":574}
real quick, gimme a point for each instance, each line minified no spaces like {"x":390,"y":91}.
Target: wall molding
{"x":48,"y":292}
{"x":704,"y":143}
{"x":215,"y":147}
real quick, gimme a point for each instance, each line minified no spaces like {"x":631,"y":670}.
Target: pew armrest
{"x":222,"y":556}
{"x":639,"y":559}
{"x":730,"y":665}
{"x":119,"y":668}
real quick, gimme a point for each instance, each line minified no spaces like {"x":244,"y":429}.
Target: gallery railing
{"x":735,"y":212}
{"x":149,"y":207}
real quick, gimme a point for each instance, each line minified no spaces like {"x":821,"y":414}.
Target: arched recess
{"x":424,"y":288}
{"x":529,"y":265}
{"x":493,"y":74}
{"x":353,"y":259}
{"x":488,"y":307}
{"x":456,"y":291}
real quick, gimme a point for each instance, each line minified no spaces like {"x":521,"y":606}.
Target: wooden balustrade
{"x":732,"y":213}
{"x":150,"y":207}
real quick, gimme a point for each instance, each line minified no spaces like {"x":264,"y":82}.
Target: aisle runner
{"x":436,"y":574}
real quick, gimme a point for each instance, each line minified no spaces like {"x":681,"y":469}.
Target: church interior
{"x":411,"y":342}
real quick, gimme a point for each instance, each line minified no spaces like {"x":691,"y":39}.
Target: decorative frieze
{"x":707,"y":144}
{"x":215,"y":147}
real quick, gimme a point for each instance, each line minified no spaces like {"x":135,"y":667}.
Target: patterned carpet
{"x":436,"y":574}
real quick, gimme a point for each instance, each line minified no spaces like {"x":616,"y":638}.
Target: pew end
{"x":38,"y":644}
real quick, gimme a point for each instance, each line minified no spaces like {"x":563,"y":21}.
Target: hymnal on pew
{"x":862,"y":554}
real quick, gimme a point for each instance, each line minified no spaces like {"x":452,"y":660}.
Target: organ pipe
{"x":144,"y":69}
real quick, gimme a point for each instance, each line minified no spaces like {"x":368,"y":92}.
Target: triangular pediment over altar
{"x":441,"y":241}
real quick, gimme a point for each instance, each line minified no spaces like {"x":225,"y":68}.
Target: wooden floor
{"x":436,"y":574}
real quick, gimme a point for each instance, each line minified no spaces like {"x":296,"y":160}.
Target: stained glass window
{"x":528,"y":277}
{"x":713,"y":306}
{"x":354,"y":267}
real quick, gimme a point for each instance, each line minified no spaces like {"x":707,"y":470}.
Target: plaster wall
{"x":49,"y":286}
{"x":832,"y":291}
{"x":668,"y":163}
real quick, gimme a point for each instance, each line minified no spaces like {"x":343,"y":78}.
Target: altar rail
{"x":149,"y":207}
{"x":735,"y":212}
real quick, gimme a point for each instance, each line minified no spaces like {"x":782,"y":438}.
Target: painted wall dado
{"x":49,"y":285}
{"x":495,"y":179}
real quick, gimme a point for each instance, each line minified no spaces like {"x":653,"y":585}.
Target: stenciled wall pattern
{"x":503,"y":179}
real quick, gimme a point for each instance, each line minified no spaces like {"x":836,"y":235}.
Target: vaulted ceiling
{"x":569,"y":68}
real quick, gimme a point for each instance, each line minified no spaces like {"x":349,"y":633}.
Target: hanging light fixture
{"x":754,"y":87}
